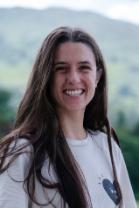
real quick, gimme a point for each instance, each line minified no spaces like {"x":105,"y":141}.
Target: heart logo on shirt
{"x":111,"y":190}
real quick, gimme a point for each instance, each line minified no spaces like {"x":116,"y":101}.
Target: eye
{"x":85,"y":67}
{"x":60,"y":68}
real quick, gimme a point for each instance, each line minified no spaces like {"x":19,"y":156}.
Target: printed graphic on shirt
{"x":110,"y":189}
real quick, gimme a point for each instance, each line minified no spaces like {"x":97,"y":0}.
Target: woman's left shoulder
{"x":101,"y":139}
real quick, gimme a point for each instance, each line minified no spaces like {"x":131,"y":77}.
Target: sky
{"x":127,"y":10}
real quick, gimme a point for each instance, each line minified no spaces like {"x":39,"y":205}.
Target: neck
{"x":72,"y":125}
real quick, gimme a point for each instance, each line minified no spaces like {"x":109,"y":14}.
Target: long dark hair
{"x":37,"y":121}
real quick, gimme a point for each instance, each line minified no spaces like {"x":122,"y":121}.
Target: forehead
{"x":74,"y":50}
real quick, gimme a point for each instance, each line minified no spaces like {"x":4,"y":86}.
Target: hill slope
{"x":22,"y":31}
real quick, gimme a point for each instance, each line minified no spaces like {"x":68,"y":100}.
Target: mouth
{"x":73,"y":92}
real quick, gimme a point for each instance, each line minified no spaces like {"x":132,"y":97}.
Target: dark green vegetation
{"x":21,"y":33}
{"x":130,"y":146}
{"x":6,"y":111}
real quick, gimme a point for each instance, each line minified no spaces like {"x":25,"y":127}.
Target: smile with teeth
{"x":75,"y":92}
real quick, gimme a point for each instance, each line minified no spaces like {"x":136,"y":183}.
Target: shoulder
{"x":101,"y":139}
{"x":12,"y":178}
{"x":19,"y":155}
{"x":20,"y":142}
{"x":20,"y":147}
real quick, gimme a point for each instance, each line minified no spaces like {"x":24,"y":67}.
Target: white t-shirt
{"x":92,"y":156}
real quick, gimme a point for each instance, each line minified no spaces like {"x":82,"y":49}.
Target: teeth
{"x":73,"y":92}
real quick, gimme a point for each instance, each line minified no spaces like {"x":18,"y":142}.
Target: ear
{"x":98,"y":75}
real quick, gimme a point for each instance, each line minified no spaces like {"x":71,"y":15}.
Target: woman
{"x":62,"y":151}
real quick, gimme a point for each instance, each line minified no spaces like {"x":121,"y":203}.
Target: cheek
{"x":54,"y":83}
{"x":92,"y":82}
{"x":53,"y":88}
{"x":56,"y":87}
{"x":57,"y":80}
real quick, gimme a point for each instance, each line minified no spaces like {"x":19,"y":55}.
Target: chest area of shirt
{"x":96,"y":168}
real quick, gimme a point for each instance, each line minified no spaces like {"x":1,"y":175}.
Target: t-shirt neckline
{"x":79,"y":142}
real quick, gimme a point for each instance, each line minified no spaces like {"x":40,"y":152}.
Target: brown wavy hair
{"x":37,"y":121}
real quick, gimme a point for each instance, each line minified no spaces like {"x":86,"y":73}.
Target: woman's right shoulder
{"x":17,"y":161}
{"x":19,"y":150}
{"x":21,"y":144}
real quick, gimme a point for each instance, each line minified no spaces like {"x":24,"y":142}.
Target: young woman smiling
{"x":62,"y":151}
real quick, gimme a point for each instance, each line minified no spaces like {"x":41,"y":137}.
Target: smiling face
{"x":75,"y":77}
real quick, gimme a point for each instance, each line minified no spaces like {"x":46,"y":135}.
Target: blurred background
{"x":115,"y":26}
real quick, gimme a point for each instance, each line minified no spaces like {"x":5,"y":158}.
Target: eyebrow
{"x":84,"y":62}
{"x":60,"y":63}
{"x":65,"y":63}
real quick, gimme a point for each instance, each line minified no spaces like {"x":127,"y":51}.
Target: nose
{"x":73,"y":76}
